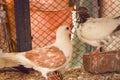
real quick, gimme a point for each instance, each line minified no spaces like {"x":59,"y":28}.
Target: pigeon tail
{"x":118,"y":27}
{"x":118,"y":17}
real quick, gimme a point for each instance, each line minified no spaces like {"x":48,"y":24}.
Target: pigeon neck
{"x":62,"y":39}
{"x":64,"y":43}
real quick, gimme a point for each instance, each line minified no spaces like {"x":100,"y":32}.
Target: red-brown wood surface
{"x":102,"y":62}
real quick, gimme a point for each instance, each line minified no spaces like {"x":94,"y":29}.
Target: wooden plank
{"x":23,"y":29}
{"x":102,"y":62}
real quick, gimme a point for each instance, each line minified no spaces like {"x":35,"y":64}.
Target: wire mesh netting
{"x":111,"y":8}
{"x":2,"y":27}
{"x":7,"y":26}
{"x":47,"y":15}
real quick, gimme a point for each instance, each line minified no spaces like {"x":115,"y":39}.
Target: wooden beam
{"x":23,"y":29}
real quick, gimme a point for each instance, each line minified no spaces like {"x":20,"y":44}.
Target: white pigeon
{"x":98,"y":31}
{"x":46,"y":59}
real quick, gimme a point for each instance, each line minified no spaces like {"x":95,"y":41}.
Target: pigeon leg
{"x":53,"y":76}
{"x":97,"y":51}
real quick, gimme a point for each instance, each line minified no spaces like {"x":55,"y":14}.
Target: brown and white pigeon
{"x":98,"y":31}
{"x":46,"y":59}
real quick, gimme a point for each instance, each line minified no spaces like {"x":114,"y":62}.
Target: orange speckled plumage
{"x":50,"y":57}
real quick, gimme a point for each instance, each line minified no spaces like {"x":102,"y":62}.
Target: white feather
{"x":97,"y":30}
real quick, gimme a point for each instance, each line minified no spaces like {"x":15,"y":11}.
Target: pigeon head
{"x":63,"y":30}
{"x":63,"y":33}
{"x":82,"y":15}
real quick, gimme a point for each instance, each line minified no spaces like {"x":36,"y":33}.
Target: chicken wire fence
{"x":47,"y":15}
{"x":7,"y":26}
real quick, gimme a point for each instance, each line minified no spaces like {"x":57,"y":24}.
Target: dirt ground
{"x":72,"y":74}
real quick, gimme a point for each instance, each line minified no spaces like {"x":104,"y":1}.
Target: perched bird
{"x":46,"y":59}
{"x":98,"y":31}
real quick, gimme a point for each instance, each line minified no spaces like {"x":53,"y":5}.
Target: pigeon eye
{"x":67,"y":28}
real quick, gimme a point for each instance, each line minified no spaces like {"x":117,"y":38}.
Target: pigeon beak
{"x":76,"y":25}
{"x":70,"y":30}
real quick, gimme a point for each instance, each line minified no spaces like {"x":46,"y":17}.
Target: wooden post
{"x":23,"y":29}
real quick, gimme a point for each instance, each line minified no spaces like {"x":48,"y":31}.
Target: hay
{"x":67,"y":74}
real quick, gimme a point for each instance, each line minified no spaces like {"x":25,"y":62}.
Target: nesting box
{"x":102,"y":62}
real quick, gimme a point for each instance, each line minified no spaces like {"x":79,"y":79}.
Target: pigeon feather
{"x":98,"y":31}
